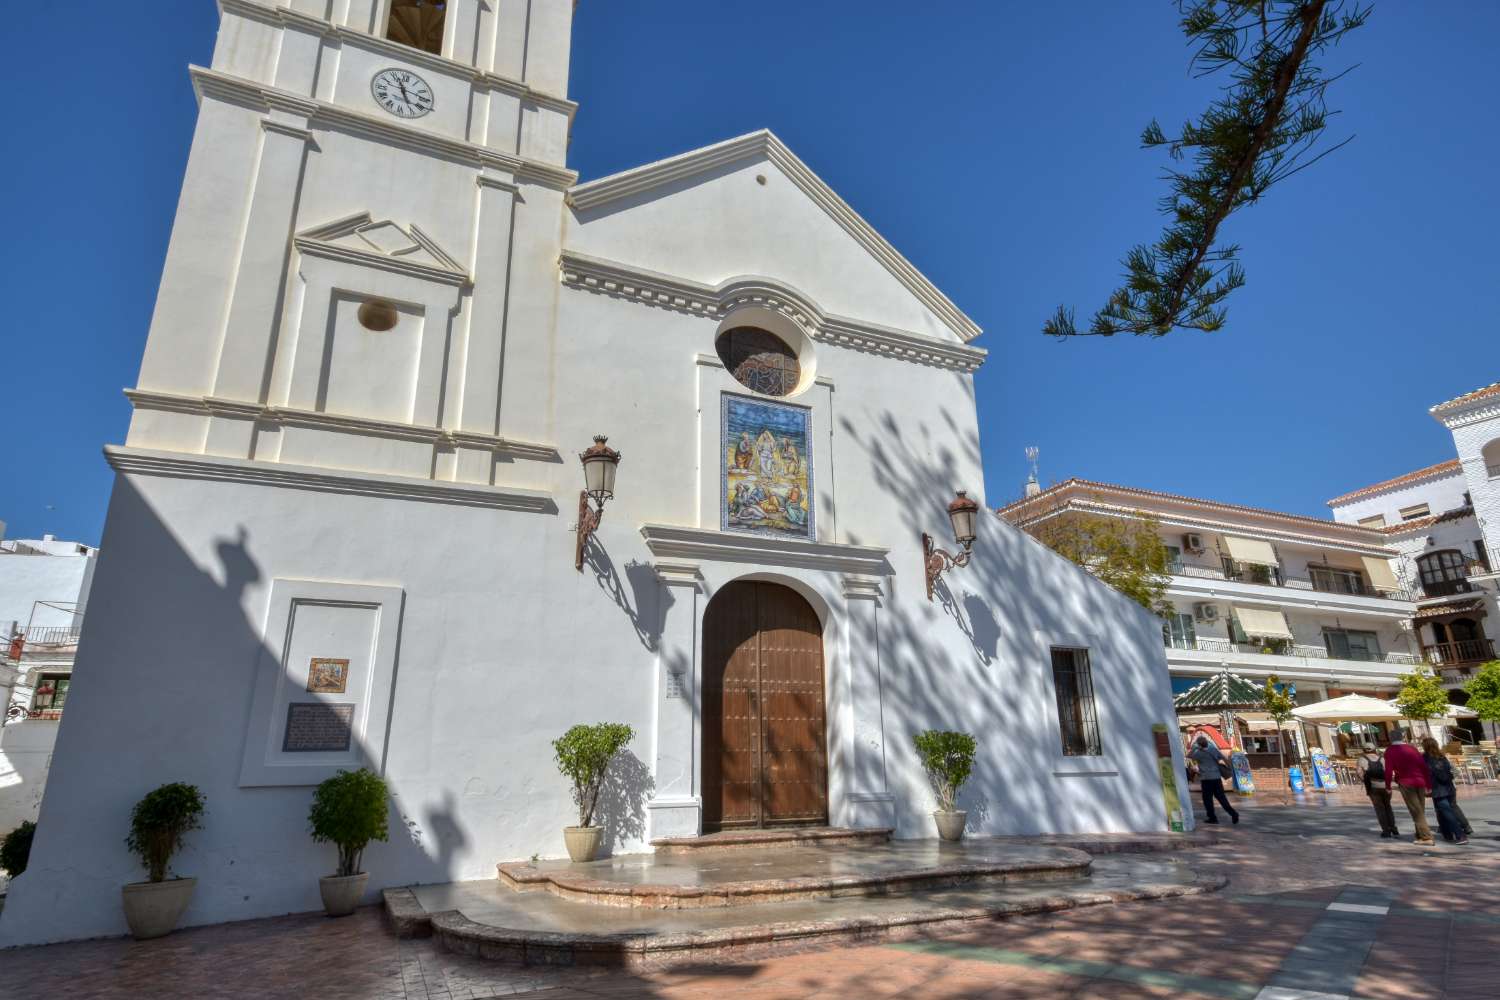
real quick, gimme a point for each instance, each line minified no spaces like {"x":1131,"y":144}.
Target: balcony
{"x":1267,"y":576}
{"x":1460,"y":654}
{"x":1291,"y":660}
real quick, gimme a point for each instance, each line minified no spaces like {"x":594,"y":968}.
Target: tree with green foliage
{"x":1484,"y":692}
{"x":1278,"y":701}
{"x":15,"y":849}
{"x":1421,"y":696}
{"x":160,"y":821}
{"x":583,"y":755}
{"x":1126,"y":553}
{"x":1265,"y":126}
{"x":349,"y":810}
{"x":948,"y":758}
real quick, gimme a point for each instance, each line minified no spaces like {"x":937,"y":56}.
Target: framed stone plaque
{"x":326,"y":675}
{"x":317,"y":727}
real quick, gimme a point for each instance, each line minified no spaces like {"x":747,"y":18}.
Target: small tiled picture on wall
{"x":327,"y":676}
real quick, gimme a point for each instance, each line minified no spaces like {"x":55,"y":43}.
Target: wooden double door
{"x":765,"y":743}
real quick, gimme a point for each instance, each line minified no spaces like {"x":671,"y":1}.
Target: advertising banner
{"x":1244,"y":782}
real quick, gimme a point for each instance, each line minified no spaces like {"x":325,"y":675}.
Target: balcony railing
{"x":1306,"y":652}
{"x":1453,"y":654}
{"x":52,"y":635}
{"x":1361,"y":589}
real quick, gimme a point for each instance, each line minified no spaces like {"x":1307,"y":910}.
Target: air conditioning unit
{"x":1206,"y":612}
{"x":1192,"y":542}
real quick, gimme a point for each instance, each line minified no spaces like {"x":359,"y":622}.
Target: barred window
{"x":759,"y":360}
{"x":1076,"y":713}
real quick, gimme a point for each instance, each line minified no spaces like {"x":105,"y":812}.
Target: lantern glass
{"x":963,"y":526}
{"x":599,"y":463}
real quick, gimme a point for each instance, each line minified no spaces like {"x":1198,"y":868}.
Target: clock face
{"x":402,"y":93}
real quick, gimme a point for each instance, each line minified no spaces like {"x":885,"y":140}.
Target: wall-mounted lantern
{"x":961,"y":512}
{"x":599,"y":464}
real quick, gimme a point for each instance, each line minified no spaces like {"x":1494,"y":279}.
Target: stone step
{"x":784,"y":874}
{"x":805,"y":836}
{"x":488,"y":920}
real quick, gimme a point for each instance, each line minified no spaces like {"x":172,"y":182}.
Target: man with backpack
{"x":1405,"y":766}
{"x":1380,"y":796}
{"x":1212,"y":769}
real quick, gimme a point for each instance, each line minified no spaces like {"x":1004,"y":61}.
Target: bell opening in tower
{"x":418,"y":23}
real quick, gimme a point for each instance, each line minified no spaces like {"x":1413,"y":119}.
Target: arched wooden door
{"x":765,"y":743}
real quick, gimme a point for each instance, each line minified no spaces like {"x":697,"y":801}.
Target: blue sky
{"x":995,"y":144}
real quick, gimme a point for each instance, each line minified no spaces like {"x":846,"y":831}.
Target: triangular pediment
{"x":361,"y":236}
{"x":637,"y":192}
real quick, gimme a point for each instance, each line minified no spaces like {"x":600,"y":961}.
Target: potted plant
{"x":948,"y":757}
{"x":15,"y":849}
{"x":157,"y":825}
{"x":583,"y":756}
{"x":348,"y":811}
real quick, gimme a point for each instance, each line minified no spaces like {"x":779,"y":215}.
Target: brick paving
{"x":1440,"y":939}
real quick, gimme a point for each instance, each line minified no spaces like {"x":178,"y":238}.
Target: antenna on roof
{"x":1033,"y":487}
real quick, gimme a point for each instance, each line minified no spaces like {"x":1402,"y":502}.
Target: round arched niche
{"x":766,"y":352}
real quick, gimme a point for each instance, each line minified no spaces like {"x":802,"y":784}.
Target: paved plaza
{"x":1316,"y":902}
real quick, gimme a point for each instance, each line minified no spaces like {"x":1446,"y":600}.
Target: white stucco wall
{"x":462,"y":502}
{"x":1441,"y":494}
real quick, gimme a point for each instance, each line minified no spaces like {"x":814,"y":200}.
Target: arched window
{"x":1491,"y":453}
{"x":759,"y":360}
{"x":1443,"y":573}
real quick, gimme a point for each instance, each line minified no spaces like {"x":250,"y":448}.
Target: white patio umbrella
{"x":1452,"y":711}
{"x":1349,"y":708}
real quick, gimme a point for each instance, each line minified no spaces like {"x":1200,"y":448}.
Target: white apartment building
{"x":1444,"y":522}
{"x":1259,"y":592}
{"x":44,"y":586}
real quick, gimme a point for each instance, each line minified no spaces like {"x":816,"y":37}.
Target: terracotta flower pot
{"x":342,"y":893}
{"x":153,"y":908}
{"x":950,"y":825}
{"x":583,"y":841}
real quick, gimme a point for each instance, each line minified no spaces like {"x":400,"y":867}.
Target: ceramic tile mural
{"x":766,"y":481}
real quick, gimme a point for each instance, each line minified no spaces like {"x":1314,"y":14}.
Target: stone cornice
{"x":1480,"y":410}
{"x":249,"y":93}
{"x":638,"y":284}
{"x":764,"y":143}
{"x":385,"y":262}
{"x":285,"y":17}
{"x":213,"y":406}
{"x":671,"y":542}
{"x":177,"y":465}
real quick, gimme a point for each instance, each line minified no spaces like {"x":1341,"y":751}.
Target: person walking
{"x":1444,"y":793}
{"x":1380,"y":796}
{"x":1405,"y":766}
{"x":1210,"y":778}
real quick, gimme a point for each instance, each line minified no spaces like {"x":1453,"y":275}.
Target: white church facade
{"x":344,"y":529}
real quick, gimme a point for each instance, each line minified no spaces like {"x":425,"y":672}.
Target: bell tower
{"x":369,"y":220}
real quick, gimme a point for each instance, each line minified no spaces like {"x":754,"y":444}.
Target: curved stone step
{"x":792,"y":873}
{"x":734,"y":840}
{"x":487,"y":920}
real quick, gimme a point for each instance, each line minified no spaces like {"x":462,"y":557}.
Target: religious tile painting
{"x":327,"y":676}
{"x":766,"y":459}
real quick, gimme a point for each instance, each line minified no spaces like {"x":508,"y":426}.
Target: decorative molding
{"x":862,"y":588}
{"x":292,"y":416}
{"x":637,"y":284}
{"x":679,"y":574}
{"x":671,"y":542}
{"x":285,"y":17}
{"x":282,"y":128}
{"x":249,"y":93}
{"x":321,"y":241}
{"x":177,"y":465}
{"x":1477,"y":412}
{"x":764,"y":143}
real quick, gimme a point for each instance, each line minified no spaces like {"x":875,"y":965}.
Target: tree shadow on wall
{"x":621,"y":809}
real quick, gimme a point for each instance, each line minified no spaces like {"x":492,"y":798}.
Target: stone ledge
{"x":405,"y":915}
{"x":458,"y":933}
{"x":795,"y":837}
{"x":1126,"y":843}
{"x":579,"y":884}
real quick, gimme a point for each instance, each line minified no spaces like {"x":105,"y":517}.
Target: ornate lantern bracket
{"x":936,"y":561}
{"x":599,"y":464}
